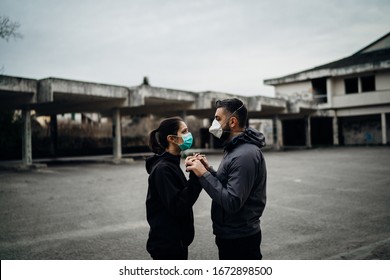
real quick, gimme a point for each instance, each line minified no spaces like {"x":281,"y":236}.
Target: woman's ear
{"x":171,"y":138}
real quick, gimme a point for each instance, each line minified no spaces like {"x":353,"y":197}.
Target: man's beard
{"x":226,"y":133}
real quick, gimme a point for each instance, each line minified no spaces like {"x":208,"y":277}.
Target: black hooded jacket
{"x":169,"y":203}
{"x":238,"y":188}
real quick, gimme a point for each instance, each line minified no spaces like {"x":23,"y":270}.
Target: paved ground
{"x":329,"y":203}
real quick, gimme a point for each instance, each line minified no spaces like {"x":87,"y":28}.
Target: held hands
{"x":197,"y":163}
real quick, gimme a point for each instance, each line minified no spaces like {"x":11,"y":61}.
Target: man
{"x":238,"y":188}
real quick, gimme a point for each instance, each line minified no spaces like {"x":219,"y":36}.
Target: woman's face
{"x":183,"y":129}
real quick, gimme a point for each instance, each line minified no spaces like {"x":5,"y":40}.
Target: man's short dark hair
{"x":235,"y":106}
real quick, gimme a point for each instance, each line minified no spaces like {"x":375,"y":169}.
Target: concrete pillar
{"x":308,"y":131}
{"x":211,"y":139}
{"x":384,"y":128}
{"x":26,"y":138}
{"x":335,"y":131}
{"x":53,"y":134}
{"x":329,"y":91}
{"x":277,"y":132}
{"x":184,"y":116}
{"x":116,"y":133}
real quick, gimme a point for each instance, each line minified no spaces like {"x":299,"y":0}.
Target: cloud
{"x":217,"y":45}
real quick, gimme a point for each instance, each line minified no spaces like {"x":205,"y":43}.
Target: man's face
{"x":221,"y":116}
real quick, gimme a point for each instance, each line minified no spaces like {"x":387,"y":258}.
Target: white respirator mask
{"x":216,"y":129}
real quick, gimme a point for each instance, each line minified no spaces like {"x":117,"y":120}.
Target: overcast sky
{"x":227,"y":46}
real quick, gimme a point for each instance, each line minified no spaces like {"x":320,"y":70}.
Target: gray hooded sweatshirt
{"x":238,"y":188}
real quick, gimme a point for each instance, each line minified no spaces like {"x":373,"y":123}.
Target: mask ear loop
{"x":239,"y":108}
{"x":236,"y":139}
{"x":235,"y":111}
{"x":176,"y":138}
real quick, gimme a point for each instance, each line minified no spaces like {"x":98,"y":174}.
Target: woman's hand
{"x":197,"y":156}
{"x":195,"y":166}
{"x":203,"y":160}
{"x":197,"y":163}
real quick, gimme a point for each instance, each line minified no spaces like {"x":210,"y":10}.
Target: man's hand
{"x":195,"y":165}
{"x":203,"y":160}
{"x":200,"y":157}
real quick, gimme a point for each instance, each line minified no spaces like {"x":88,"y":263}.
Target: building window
{"x":351,"y":85}
{"x":319,"y":90}
{"x":368,"y":83}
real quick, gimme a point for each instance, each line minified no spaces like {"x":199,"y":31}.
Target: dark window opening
{"x":294,"y":133}
{"x":205,"y":138}
{"x":351,"y":85}
{"x":321,"y":131}
{"x":368,"y":83}
{"x":319,"y":90}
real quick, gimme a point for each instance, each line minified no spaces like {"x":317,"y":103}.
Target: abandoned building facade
{"x":345,"y":102}
{"x":351,"y":98}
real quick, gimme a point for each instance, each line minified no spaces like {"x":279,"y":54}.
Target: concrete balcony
{"x":361,"y":99}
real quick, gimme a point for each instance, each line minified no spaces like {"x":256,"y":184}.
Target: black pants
{"x":172,"y":254}
{"x":246,"y":248}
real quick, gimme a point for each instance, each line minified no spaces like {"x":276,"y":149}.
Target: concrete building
{"x":54,"y":97}
{"x":344,"y":102}
{"x":350,"y":100}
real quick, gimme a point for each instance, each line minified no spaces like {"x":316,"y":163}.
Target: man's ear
{"x":233,"y":122}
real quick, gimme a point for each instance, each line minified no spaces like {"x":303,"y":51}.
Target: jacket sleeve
{"x":176,"y":199}
{"x":241,"y":176}
{"x":194,"y":187}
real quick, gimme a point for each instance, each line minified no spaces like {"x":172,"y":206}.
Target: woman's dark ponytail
{"x":154,"y":142}
{"x":158,"y":138}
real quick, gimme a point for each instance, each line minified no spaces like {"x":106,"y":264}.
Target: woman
{"x":170,"y":195}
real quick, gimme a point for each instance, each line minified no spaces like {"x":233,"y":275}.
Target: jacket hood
{"x":250,"y":135}
{"x":153,"y":160}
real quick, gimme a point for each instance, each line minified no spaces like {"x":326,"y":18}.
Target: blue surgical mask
{"x":187,"y":141}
